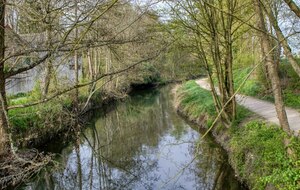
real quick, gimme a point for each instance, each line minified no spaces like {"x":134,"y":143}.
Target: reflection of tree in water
{"x":120,"y":150}
{"x":212,"y":168}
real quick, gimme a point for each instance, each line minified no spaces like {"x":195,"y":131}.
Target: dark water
{"x":141,"y":144}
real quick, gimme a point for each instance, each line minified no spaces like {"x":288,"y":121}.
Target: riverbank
{"x":34,"y":127}
{"x":37,"y":125}
{"x":255,"y":149}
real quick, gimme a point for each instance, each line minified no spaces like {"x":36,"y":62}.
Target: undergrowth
{"x":38,"y":116}
{"x":259,"y":154}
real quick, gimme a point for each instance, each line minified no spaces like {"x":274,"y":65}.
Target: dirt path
{"x":262,"y":108}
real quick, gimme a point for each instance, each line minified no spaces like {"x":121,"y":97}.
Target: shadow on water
{"x":141,"y":144}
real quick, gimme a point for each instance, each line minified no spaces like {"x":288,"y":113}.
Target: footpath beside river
{"x":262,"y":108}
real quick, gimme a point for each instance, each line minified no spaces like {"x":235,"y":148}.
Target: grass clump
{"x":195,"y":101}
{"x":36,"y":116}
{"x":259,"y":154}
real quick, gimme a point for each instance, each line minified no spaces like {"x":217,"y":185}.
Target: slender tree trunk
{"x":76,"y":72}
{"x":96,"y":62}
{"x":215,"y":96}
{"x":49,"y":68}
{"x":4,"y":127}
{"x":229,"y":84}
{"x":293,"y":6}
{"x":275,"y":80}
{"x":47,"y":80}
{"x":90,"y":64}
{"x":222,"y":67}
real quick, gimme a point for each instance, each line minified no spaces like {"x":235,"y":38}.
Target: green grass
{"x":259,"y":153}
{"x":36,"y":116}
{"x":195,"y":101}
{"x":251,"y":87}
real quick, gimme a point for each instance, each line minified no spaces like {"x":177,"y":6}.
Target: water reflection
{"x":141,"y":144}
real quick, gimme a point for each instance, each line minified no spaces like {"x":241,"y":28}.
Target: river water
{"x":141,"y":143}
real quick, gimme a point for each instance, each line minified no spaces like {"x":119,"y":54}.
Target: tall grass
{"x":195,"y":101}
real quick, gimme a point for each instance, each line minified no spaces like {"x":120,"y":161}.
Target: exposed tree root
{"x":19,"y":167}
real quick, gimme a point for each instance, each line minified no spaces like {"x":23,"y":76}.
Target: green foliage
{"x":18,"y":95}
{"x":291,"y":99}
{"x":151,"y":74}
{"x":255,"y":87}
{"x":35,"y":116}
{"x":36,"y":92}
{"x":18,"y":101}
{"x":241,"y":114}
{"x":259,"y":153}
{"x":291,"y":84}
{"x":287,"y":73}
{"x":245,"y":58}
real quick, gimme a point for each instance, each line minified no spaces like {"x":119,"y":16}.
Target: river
{"x":142,"y":143}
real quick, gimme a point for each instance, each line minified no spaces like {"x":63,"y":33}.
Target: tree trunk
{"x":284,"y":42}
{"x":275,"y":80}
{"x":48,"y":73}
{"x":4,"y":127}
{"x":229,"y":84}
{"x":90,"y":64}
{"x":293,"y":6}
{"x":4,"y":142}
{"x":48,"y":69}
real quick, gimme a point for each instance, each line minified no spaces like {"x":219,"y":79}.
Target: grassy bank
{"x":256,"y":149}
{"x":36,"y":125}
